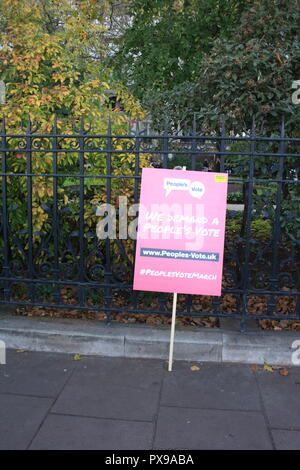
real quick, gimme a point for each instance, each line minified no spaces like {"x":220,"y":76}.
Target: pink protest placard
{"x":181,"y":229}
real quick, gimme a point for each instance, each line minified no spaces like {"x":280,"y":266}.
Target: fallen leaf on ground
{"x":268,"y":368}
{"x":284,"y":372}
{"x":21,"y":350}
{"x":195,"y":368}
{"x":254,"y":368}
{"x":77,"y":357}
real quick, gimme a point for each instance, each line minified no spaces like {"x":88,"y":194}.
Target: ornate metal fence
{"x":52,"y":185}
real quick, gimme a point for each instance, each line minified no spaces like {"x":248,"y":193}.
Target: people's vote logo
{"x":195,"y":188}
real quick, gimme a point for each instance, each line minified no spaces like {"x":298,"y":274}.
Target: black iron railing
{"x":52,"y":185}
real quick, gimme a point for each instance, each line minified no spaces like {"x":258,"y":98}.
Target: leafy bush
{"x":235,"y":198}
{"x":261,"y":229}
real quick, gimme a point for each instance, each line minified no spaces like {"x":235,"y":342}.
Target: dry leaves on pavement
{"x":267,"y":368}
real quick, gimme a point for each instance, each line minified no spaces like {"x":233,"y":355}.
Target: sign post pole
{"x":172,"y":332}
{"x":172,"y":335}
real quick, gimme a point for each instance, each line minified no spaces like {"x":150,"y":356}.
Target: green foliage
{"x":290,"y":218}
{"x":147,"y":298}
{"x":167,"y":39}
{"x":246,"y":76}
{"x":181,"y":160}
{"x":261,"y":229}
{"x":266,"y":195}
{"x":233,"y":225}
{"x":235,"y":198}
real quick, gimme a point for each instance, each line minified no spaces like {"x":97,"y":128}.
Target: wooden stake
{"x":172,"y":332}
{"x":173,"y":311}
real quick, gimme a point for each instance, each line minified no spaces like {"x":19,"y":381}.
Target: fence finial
{"x":109,"y":126}
{"x":194,"y":124}
{"x":253,"y":129}
{"x":166,"y":128}
{"x":29,"y":125}
{"x":282,"y":130}
{"x":55,"y":124}
{"x":129,"y":125}
{"x":2,"y":93}
{"x":82,"y":124}
{"x":3,"y":125}
{"x":137,"y":127}
{"x":223,"y":125}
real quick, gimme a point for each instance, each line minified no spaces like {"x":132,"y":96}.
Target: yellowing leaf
{"x":268,"y":368}
{"x":77,"y":357}
{"x":194,"y":368}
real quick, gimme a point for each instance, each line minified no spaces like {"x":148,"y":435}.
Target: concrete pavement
{"x":225,"y":344}
{"x":52,"y":401}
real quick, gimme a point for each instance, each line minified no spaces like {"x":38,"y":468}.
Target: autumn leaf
{"x":268,"y":368}
{"x":284,"y":372}
{"x":195,"y":368}
{"x":77,"y":357}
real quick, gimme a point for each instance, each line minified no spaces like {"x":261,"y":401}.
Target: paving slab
{"x":60,"y":432}
{"x":13,"y":362}
{"x":34,"y":373}
{"x":20,"y":418}
{"x":193,"y":429}
{"x":115,"y":388}
{"x":286,"y":440}
{"x":225,"y":387}
{"x":281,"y":397}
{"x":51,"y":401}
